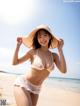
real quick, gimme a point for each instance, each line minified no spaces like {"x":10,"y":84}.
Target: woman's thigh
{"x":22,"y":96}
{"x":34,"y":99}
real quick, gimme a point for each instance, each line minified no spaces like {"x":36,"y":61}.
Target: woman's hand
{"x":15,"y":57}
{"x":19,"y":41}
{"x":60,"y":44}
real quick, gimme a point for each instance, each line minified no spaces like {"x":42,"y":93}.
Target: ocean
{"x":64,"y":83}
{"x":59,"y":82}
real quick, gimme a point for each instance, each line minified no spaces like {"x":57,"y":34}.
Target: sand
{"x":49,"y":96}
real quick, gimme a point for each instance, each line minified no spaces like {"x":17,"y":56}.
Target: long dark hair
{"x":36,"y":44}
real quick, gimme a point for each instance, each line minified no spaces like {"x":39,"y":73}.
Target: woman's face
{"x":43,"y":38}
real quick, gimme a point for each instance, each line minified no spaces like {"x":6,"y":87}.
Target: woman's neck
{"x":42,"y":48}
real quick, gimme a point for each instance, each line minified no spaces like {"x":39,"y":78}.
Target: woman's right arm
{"x":17,"y":60}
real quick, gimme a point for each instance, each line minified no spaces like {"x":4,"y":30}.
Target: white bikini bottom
{"x":22,"y":82}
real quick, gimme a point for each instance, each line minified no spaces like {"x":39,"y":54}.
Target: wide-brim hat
{"x":28,"y":41}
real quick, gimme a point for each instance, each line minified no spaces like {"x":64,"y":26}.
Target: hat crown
{"x":46,"y":27}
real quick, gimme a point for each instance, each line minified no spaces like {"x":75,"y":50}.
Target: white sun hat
{"x":28,"y":41}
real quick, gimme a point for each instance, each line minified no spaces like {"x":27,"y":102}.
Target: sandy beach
{"x":49,"y":96}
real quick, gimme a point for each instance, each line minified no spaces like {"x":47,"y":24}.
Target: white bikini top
{"x":42,"y":62}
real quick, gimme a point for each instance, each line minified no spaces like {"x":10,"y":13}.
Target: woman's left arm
{"x":60,"y":60}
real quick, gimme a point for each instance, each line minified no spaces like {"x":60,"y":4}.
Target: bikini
{"x":38,"y":63}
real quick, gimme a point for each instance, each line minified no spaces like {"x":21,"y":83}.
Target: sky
{"x":19,"y":17}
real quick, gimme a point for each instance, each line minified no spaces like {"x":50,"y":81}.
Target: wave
{"x":60,"y":82}
{"x":8,"y":72}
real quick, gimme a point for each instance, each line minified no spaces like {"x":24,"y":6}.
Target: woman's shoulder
{"x":54,"y":54}
{"x":32,"y":51}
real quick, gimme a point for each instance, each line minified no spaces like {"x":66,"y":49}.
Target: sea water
{"x":64,"y":83}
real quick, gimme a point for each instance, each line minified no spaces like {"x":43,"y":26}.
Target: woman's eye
{"x":45,"y":34}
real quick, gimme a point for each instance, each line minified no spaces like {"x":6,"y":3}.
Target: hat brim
{"x":28,"y":41}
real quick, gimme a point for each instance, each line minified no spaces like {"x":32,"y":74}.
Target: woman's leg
{"x":34,"y":99}
{"x":22,"y":96}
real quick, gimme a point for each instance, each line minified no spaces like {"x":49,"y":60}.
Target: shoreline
{"x":49,"y":95}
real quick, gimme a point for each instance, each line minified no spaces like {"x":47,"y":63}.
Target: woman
{"x":27,"y":87}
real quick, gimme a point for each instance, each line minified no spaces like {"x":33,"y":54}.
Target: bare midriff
{"x":36,"y":77}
